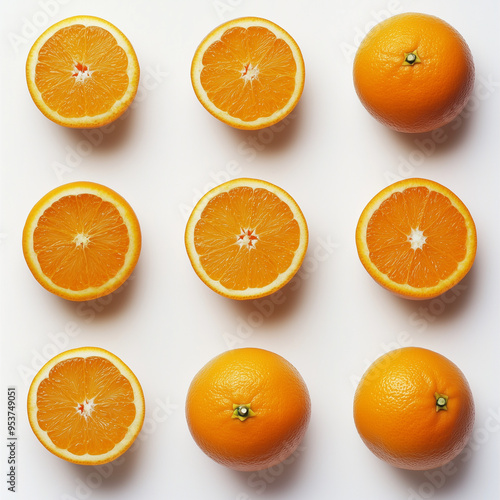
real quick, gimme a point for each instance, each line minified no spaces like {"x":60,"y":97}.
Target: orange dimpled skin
{"x":413,"y":72}
{"x":414,"y":409}
{"x":248,"y":409}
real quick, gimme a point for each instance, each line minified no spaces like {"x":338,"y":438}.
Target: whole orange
{"x":413,"y":72}
{"x":248,"y":409}
{"x":414,"y":409}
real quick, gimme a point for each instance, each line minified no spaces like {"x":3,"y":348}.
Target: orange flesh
{"x":246,"y":237}
{"x":81,"y":71}
{"x":443,"y":228}
{"x":85,"y":405}
{"x":81,"y":241}
{"x":249,"y":73}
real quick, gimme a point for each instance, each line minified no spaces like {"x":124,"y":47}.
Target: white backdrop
{"x":330,"y":322}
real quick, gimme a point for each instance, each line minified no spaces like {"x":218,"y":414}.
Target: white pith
{"x":247,"y":239}
{"x":81,"y":240}
{"x":81,"y":76}
{"x":416,"y":239}
{"x":85,"y":408}
{"x":249,"y":72}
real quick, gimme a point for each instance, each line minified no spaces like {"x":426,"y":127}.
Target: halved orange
{"x":81,"y":241}
{"x":246,"y":238}
{"x":416,"y":238}
{"x":248,"y":72}
{"x":82,"y":72}
{"x":86,"y":406}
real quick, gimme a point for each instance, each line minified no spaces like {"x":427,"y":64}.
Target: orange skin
{"x":395,"y":409}
{"x":277,"y":395}
{"x":419,"y":96}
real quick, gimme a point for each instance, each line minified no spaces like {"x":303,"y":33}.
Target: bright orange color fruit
{"x":82,"y":72}
{"x":248,"y":72}
{"x":248,"y":409}
{"x":414,"y":409}
{"x":86,"y":406}
{"x":81,"y":241}
{"x":246,"y":238}
{"x":416,"y":238}
{"x":413,"y":72}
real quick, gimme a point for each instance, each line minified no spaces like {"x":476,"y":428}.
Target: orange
{"x":416,"y":238}
{"x":82,"y":72}
{"x":81,"y":241}
{"x":246,"y":238}
{"x":413,"y":72}
{"x":248,"y":409}
{"x":414,"y":409}
{"x":248,"y":72}
{"x":86,"y":406}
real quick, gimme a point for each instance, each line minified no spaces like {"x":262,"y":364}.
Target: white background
{"x":334,"y":320}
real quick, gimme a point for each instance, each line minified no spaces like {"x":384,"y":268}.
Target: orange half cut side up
{"x":246,"y":238}
{"x":82,"y":72}
{"x":86,"y":406}
{"x":81,"y":241}
{"x":248,"y":72}
{"x":416,"y":238}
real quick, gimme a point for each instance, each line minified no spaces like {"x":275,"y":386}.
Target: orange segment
{"x":246,"y":238}
{"x":81,"y":241}
{"x":416,"y":238}
{"x":86,"y":406}
{"x":82,"y":72}
{"x":248,"y":72}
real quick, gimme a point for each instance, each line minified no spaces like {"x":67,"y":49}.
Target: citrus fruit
{"x":413,"y":72}
{"x":81,"y":241}
{"x":246,"y":238}
{"x":414,"y":409}
{"x":248,"y":409}
{"x":248,"y":72}
{"x":82,"y":72}
{"x":416,"y":238}
{"x":86,"y":406}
